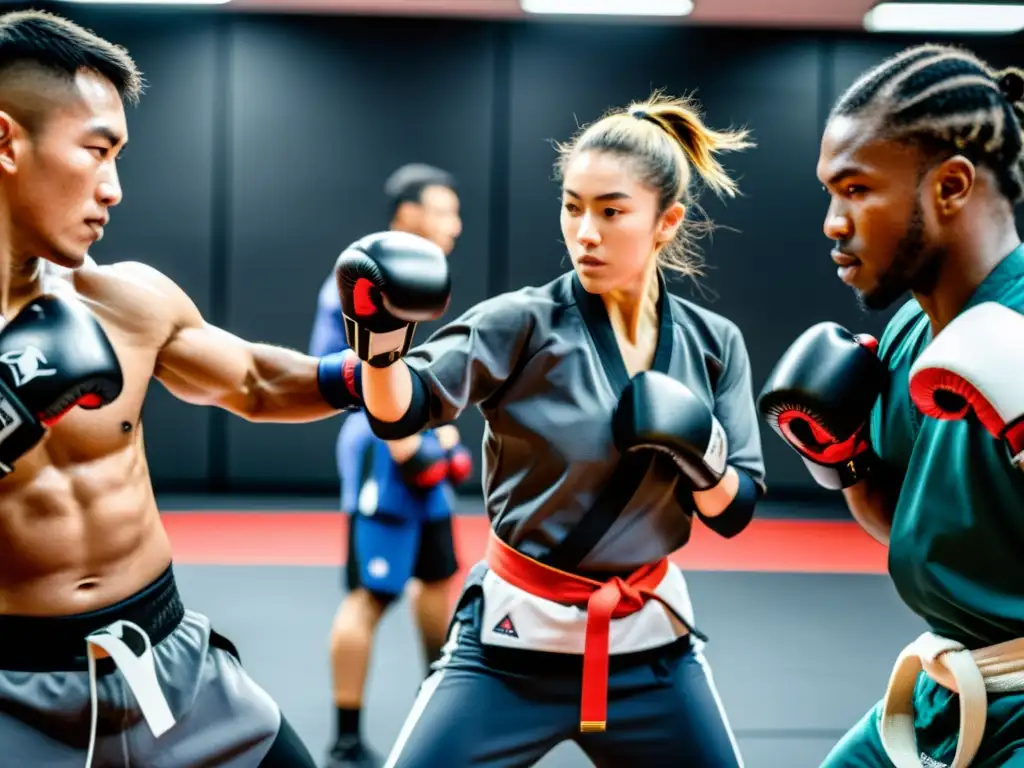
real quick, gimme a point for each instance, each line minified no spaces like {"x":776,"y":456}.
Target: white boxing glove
{"x":976,"y":363}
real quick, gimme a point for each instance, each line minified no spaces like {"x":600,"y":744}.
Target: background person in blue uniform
{"x":923,"y":160}
{"x":398,"y":494}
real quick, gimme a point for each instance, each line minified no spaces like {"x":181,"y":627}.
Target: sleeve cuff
{"x":415,"y":418}
{"x":739,"y":513}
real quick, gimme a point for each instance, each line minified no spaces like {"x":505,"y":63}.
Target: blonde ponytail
{"x":681,"y":120}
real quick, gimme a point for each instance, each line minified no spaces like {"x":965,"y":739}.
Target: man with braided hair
{"x":923,"y":432}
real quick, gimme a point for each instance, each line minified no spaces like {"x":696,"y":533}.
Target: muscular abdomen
{"x":77,"y":535}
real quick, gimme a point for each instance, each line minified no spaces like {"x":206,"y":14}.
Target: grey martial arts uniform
{"x":167,"y":671}
{"x":543,"y":366}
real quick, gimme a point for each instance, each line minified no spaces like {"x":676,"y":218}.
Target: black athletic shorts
{"x":389,"y":559}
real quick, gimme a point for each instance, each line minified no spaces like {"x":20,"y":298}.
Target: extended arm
{"x":205,"y":365}
{"x":463,"y":364}
{"x":328,"y":337}
{"x":389,"y":282}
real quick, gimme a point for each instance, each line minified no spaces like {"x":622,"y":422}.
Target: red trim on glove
{"x":827,"y":449}
{"x":929,"y":381}
{"x":362,"y":301}
{"x":867,"y":341}
{"x":89,"y":400}
{"x":1015,"y":437}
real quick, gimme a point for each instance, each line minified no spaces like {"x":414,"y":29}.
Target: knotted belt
{"x":970,"y":674}
{"x":604,"y":601}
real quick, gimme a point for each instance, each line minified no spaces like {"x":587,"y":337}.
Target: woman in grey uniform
{"x":615,"y":412}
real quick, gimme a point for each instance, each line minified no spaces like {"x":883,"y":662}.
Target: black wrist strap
{"x":856,"y":469}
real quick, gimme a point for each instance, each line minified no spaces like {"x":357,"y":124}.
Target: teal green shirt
{"x":956,"y":551}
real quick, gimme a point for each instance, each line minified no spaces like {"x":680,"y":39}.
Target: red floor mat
{"x":315,"y":538}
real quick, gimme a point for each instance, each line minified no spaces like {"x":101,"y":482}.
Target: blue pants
{"x":499,"y":707}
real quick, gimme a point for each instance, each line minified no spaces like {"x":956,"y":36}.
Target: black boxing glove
{"x":656,"y":412}
{"x":53,"y":356}
{"x":389,"y":282}
{"x":819,"y":397}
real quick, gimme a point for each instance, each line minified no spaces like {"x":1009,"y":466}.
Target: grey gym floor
{"x":797,"y":658}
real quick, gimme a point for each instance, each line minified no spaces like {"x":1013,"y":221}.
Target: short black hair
{"x":406,"y":185}
{"x":60,"y":47}
{"x":948,"y":101}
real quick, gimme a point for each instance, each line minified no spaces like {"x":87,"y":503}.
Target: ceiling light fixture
{"x":148,"y":2}
{"x":967,"y":18}
{"x":609,"y":7}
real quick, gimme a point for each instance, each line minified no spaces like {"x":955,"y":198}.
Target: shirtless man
{"x":119,"y":672}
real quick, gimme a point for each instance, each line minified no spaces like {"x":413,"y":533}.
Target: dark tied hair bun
{"x":1011,"y":84}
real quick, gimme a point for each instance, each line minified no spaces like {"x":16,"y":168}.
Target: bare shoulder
{"x":126,"y":280}
{"x":136,"y":296}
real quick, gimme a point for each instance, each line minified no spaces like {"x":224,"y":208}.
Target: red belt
{"x":605,"y":601}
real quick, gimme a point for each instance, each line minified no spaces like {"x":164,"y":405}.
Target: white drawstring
{"x":139,"y":672}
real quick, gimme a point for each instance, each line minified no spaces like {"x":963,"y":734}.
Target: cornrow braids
{"x":948,"y":101}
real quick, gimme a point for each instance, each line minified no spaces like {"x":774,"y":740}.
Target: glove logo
{"x":26,"y":365}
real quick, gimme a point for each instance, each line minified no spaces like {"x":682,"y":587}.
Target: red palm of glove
{"x":975,"y":364}
{"x":943,"y":395}
{"x":90,"y":401}
{"x":814,"y":440}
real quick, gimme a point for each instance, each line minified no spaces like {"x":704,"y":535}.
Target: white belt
{"x":139,"y":672}
{"x":970,"y":674}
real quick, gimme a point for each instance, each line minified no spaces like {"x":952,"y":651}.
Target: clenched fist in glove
{"x":53,"y":356}
{"x":658,"y":413}
{"x":976,"y":363}
{"x":819,"y":397}
{"x":389,"y":282}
